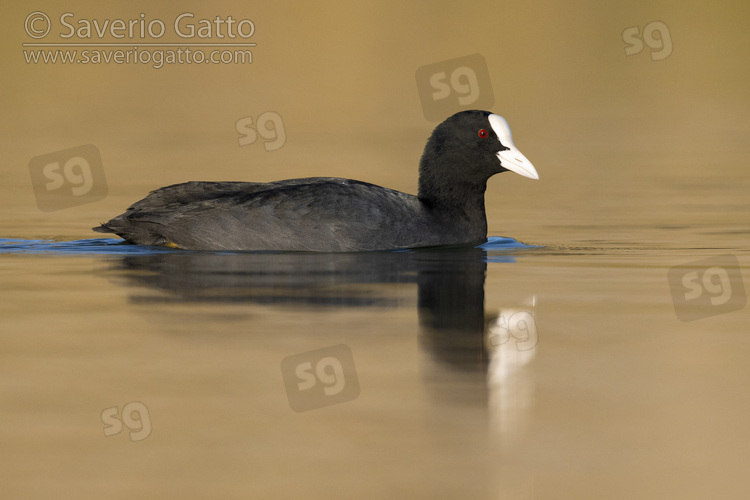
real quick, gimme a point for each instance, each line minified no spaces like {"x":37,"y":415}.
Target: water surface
{"x":488,"y":372}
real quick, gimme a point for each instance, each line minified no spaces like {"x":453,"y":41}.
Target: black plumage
{"x":336,"y":215}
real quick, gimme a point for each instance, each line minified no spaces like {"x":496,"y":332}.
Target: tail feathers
{"x":103,"y":228}
{"x":137,"y":234}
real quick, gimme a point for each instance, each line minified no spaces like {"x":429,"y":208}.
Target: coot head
{"x":466,"y":150}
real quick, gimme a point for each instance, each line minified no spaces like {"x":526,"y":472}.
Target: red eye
{"x":483,"y":133}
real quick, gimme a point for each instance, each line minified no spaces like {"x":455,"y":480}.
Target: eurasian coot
{"x":326,"y":214}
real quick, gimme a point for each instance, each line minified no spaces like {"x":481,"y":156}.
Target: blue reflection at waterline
{"x":496,"y":248}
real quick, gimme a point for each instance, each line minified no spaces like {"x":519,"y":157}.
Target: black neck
{"x":442,"y":193}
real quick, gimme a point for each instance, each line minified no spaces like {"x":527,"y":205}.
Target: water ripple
{"x":497,"y":248}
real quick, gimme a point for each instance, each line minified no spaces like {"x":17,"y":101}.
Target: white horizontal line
{"x":139,"y":44}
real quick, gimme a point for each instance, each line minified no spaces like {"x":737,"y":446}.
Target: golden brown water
{"x":577,"y":369}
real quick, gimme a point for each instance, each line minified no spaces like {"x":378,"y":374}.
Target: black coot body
{"x":326,"y":214}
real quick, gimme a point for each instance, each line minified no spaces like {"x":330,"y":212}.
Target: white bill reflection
{"x":511,"y":341}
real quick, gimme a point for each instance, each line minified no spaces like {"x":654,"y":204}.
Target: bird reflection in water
{"x":471,"y":359}
{"x":511,"y":341}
